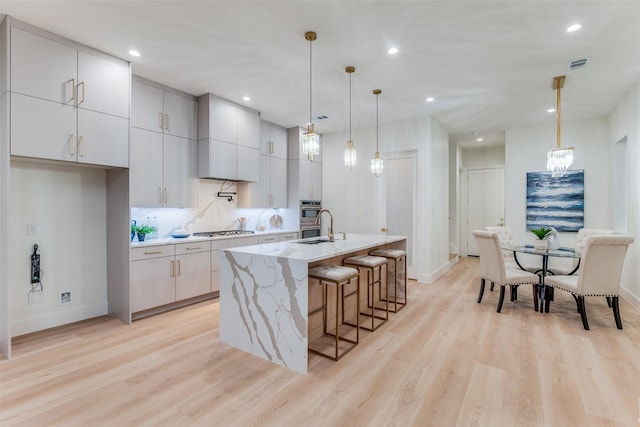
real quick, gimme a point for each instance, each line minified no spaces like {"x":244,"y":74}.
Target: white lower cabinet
{"x":283,"y":237}
{"x":193,"y":270}
{"x":164,"y":274}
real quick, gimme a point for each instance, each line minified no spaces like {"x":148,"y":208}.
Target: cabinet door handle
{"x":161,"y":120}
{"x":73,"y":88}
{"x":178,"y":267}
{"x":193,"y":249}
{"x":81,"y":146}
{"x":166,"y":121}
{"x":159,"y":195}
{"x":173,"y":272}
{"x":72,"y":145}
{"x":152,"y":252}
{"x":166,"y":195}
{"x":82,"y":98}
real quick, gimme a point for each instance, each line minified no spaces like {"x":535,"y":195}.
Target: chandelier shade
{"x":350,"y":158}
{"x":559,"y":159}
{"x":377,"y":164}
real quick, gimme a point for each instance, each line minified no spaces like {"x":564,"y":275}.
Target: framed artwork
{"x":556,"y":202}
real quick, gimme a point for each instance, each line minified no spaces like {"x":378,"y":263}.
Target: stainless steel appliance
{"x":309,"y":210}
{"x":222,"y":233}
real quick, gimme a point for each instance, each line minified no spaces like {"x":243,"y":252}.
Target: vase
{"x":141,"y":237}
{"x":540,"y":245}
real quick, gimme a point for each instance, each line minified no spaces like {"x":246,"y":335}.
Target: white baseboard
{"x":630,"y":298}
{"x":432,"y":277}
{"x":50,"y":320}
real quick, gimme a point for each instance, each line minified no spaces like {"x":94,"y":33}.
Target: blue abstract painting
{"x":555,"y":202}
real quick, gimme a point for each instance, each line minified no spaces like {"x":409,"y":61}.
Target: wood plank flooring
{"x":442,"y":361}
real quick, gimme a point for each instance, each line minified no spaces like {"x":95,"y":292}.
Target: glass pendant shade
{"x":310,"y":142}
{"x":349,"y":156}
{"x":559,"y":160}
{"x":377,"y":165}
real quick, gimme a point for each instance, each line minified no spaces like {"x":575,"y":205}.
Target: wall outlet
{"x":36,"y":297}
{"x":65,"y":297}
{"x":32,"y":230}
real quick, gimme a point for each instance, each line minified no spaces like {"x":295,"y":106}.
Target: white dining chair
{"x":583,"y":233}
{"x":492,"y":268}
{"x":598,"y":274}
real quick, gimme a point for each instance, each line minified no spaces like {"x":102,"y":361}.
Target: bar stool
{"x":371,"y":264}
{"x":339,"y":277}
{"x":399,"y":291}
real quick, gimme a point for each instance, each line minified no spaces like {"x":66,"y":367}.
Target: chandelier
{"x":559,"y":159}
{"x":377,"y":164}
{"x":310,"y":139}
{"x":350,"y":152}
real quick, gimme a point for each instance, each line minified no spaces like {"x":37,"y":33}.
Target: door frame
{"x":462,"y":214}
{"x":381,"y":203}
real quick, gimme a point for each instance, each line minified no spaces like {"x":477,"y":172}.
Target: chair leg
{"x":491,"y":289}
{"x":577,"y":303}
{"x":609,"y":301}
{"x":512,"y":293}
{"x":616,"y":312}
{"x":535,"y":296}
{"x":501,"y":300}
{"x":548,"y":298}
{"x":482,"y":290}
{"x":583,"y":312}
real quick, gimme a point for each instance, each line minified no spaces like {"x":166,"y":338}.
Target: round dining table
{"x":561,"y":252}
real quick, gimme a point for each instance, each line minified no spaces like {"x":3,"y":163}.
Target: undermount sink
{"x":313,"y":242}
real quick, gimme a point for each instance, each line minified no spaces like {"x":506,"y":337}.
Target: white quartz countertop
{"x":175,"y":240}
{"x":294,"y":249}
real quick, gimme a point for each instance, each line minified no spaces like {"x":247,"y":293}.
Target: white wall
{"x":483,"y":157}
{"x":625,"y":121}
{"x":67,"y":204}
{"x":357,"y":198}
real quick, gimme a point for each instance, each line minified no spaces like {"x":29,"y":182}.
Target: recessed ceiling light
{"x":551,"y":110}
{"x":393,"y":50}
{"x":134,"y":52}
{"x":430,"y":99}
{"x":479,"y":139}
{"x":246,"y":98}
{"x":574,"y":27}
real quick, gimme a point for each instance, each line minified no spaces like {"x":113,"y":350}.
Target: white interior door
{"x":485,"y":202}
{"x":400,"y":177}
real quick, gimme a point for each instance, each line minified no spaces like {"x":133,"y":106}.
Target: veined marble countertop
{"x":264,"y":294}
{"x":296,"y":249}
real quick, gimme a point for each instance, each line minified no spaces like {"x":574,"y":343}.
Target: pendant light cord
{"x":377,"y":125}
{"x":558,"y":115}
{"x":350,"y":107}
{"x":310,"y":80}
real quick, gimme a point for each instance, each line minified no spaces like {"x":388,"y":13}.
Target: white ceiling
{"x":489,"y":64}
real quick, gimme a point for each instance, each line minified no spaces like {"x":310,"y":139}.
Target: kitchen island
{"x":264,"y":293}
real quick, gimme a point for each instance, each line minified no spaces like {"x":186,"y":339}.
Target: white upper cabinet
{"x":163,"y":110}
{"x":270,"y":190}
{"x":305,"y":176}
{"x":228,"y":140}
{"x":67,"y":104}
{"x":163,"y":165}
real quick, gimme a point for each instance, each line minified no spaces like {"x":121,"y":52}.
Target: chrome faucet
{"x":331,"y":239}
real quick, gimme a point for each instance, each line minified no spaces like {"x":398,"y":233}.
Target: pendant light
{"x":559,"y":159}
{"x":350,"y":152}
{"x":310,"y":139}
{"x":377,"y":165}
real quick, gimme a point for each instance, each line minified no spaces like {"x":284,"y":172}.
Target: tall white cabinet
{"x":66,"y":103}
{"x":163,"y":146}
{"x":271,"y":189}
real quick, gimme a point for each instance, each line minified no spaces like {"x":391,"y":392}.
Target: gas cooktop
{"x":222,"y":233}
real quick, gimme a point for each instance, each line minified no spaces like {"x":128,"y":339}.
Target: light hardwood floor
{"x":442,"y":361}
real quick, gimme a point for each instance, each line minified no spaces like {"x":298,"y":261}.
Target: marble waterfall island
{"x":264,"y":293}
